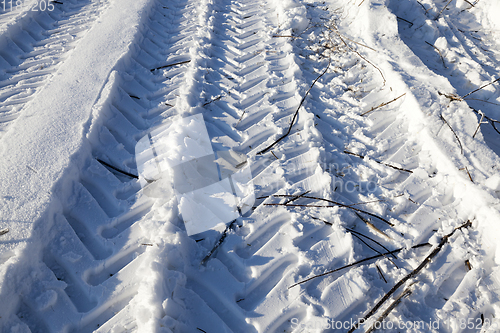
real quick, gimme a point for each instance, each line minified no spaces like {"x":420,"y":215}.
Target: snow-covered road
{"x":371,"y":129}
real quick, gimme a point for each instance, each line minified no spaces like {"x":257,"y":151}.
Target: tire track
{"x":452,"y":35}
{"x":424,"y":201}
{"x":244,"y":75}
{"x":32,"y":47}
{"x":114,"y":252}
{"x":351,"y":88}
{"x":97,"y":246}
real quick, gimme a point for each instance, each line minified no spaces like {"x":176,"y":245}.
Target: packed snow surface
{"x":250,"y":166}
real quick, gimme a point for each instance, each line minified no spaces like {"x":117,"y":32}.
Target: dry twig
{"x":482,"y":87}
{"x":380,"y":272}
{"x":468,"y":173}
{"x":439,"y":14}
{"x":170,"y":65}
{"x":356,"y":263}
{"x":402,"y":19}
{"x":440,"y":55}
{"x":381,"y":105}
{"x":335,"y":205}
{"x":455,"y":133}
{"x":491,"y":120}
{"x":296,"y":197}
{"x":391,"y":307}
{"x":213,"y":100}
{"x":478,"y":125}
{"x":296,"y":112}
{"x":380,"y":162}
{"x":285,"y":36}
{"x":116,"y":169}
{"x":219,"y":242}
{"x":335,"y":30}
{"x":367,"y":237}
{"x":412,"y":274}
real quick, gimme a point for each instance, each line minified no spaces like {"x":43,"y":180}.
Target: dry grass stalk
{"x":170,"y":65}
{"x":335,"y":30}
{"x":402,"y":19}
{"x":335,"y":204}
{"x":355,"y":264}
{"x":482,"y":87}
{"x":391,"y":307}
{"x":454,"y":133}
{"x":263,"y":151}
{"x":381,"y":274}
{"x":213,"y":100}
{"x":366,"y":202}
{"x":296,"y":197}
{"x":440,"y":54}
{"x":373,"y":227}
{"x":116,"y":169}
{"x":470,"y":177}
{"x":375,"y":250}
{"x":411,"y":275}
{"x":381,"y":105}
{"x":369,"y":238}
{"x":379,"y":162}
{"x":219,"y":242}
{"x":439,"y":14}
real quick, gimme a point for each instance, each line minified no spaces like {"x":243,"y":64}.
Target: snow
{"x":123,"y":166}
{"x":48,"y":138}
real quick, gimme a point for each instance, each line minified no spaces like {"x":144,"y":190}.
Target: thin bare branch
{"x":170,"y":65}
{"x":219,"y":242}
{"x":369,"y":238}
{"x":440,"y":54}
{"x":359,"y":54}
{"x":439,"y":14}
{"x":454,"y":133}
{"x":412,"y":274}
{"x":380,"y":272}
{"x":335,"y":204}
{"x":482,"y":87}
{"x":381,"y":105}
{"x":355,"y":264}
{"x":380,"y":162}
{"x":391,"y":307}
{"x":296,"y":112}
{"x":296,"y":197}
